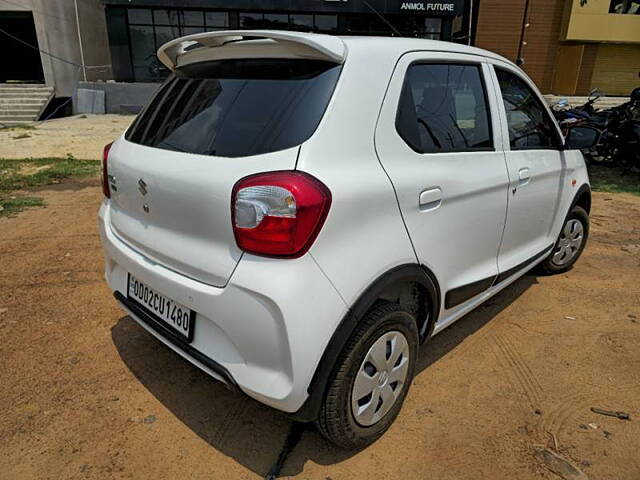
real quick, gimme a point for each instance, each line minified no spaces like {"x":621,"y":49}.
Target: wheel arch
{"x":582,"y":198}
{"x":405,"y":279}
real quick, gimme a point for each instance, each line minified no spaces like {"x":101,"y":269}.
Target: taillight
{"x":105,"y":170}
{"x":278,"y":214}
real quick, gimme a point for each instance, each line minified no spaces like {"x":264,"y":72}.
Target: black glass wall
{"x":148,"y":29}
{"x":135,"y":34}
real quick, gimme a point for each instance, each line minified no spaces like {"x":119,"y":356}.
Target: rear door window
{"x":443,"y":108}
{"x":238,"y":107}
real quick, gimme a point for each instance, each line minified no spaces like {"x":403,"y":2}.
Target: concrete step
{"x":21,"y":106}
{"x":6,"y":123}
{"x":16,"y":111}
{"x":16,"y":118}
{"x":21,"y":101}
{"x":24,"y":85}
{"x":21,"y":98}
{"x":35,"y":93}
{"x":6,"y":86}
{"x":20,"y":85}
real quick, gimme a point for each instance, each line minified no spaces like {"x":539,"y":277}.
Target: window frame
{"x":559,"y":139}
{"x":483,"y":81}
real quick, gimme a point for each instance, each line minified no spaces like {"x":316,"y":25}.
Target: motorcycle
{"x":619,"y":126}
{"x":620,"y":140}
{"x":586,"y":115}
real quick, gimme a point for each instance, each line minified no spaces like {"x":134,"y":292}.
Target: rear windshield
{"x":235,"y":108}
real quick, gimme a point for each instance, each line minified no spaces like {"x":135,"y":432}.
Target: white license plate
{"x":170,"y":313}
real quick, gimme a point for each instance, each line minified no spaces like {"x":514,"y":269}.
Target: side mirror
{"x":595,"y":93}
{"x":579,"y":138}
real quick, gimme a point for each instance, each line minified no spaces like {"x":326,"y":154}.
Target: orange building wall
{"x":498,"y":30}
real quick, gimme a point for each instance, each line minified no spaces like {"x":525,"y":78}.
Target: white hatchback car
{"x":296,"y":213}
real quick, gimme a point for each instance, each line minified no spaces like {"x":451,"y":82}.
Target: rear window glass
{"x":235,"y":108}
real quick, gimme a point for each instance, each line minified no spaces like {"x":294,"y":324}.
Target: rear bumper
{"x":158,"y":329}
{"x":263,"y":333}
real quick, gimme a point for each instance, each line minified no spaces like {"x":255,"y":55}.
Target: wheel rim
{"x":570,"y":242}
{"x":380,"y":378}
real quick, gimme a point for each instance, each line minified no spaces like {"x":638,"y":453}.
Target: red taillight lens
{"x":105,"y":170}
{"x":278,"y":214}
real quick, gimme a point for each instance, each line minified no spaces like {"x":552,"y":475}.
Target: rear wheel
{"x":371,"y":379}
{"x":570,"y":243}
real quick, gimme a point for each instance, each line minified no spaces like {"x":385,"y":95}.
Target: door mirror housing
{"x":581,"y":137}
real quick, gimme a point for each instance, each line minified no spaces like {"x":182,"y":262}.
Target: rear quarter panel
{"x":364,"y":235}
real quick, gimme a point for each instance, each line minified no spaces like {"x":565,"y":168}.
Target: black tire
{"x":336,"y":421}
{"x":549,"y":266}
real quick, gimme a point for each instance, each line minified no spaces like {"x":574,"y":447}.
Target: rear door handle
{"x":523,"y":176}
{"x":430,"y":199}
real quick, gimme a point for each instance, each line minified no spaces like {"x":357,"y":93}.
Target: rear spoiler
{"x":298,"y":44}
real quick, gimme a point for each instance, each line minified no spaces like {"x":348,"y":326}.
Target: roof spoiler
{"x":310,"y":45}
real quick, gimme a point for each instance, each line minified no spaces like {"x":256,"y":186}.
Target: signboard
{"x":427,"y":7}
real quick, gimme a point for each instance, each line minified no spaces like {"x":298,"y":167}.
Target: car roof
{"x":401,"y":45}
{"x":302,"y":45}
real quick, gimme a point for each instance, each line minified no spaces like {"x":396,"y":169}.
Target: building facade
{"x":568,"y":47}
{"x":69,"y":33}
{"x":138,"y":27}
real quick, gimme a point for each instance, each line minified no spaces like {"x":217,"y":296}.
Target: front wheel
{"x":372,"y":376}
{"x":570,"y":243}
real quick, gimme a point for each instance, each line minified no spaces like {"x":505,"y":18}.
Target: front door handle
{"x":430,"y":199}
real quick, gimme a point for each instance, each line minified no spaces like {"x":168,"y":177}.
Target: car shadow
{"x":243,"y":429}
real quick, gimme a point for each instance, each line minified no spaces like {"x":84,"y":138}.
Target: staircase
{"x":23,"y":103}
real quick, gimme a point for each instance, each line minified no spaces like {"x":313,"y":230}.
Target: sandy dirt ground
{"x":87,"y":393}
{"x":82,"y":136}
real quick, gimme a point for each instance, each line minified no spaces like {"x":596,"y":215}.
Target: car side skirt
{"x":461,"y":294}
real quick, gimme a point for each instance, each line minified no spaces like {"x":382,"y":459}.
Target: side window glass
{"x":443,"y":108}
{"x":529,"y":124}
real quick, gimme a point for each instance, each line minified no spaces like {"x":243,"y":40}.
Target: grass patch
{"x":22,"y":135}
{"x":612,"y":180}
{"x":28,"y":173}
{"x":12,"y":205}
